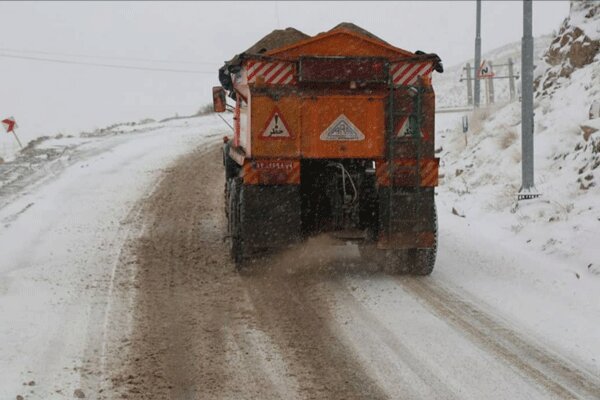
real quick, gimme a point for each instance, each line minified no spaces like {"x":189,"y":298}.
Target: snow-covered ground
{"x":538,"y":261}
{"x":60,"y":237}
{"x":510,"y":275}
{"x":482,"y":168}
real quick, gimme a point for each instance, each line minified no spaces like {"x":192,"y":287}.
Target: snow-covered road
{"x":115,"y":280}
{"x":60,"y":239}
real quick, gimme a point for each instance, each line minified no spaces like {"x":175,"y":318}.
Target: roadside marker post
{"x":9,"y":126}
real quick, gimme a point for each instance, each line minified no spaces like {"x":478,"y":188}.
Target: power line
{"x":116,"y":66}
{"x":103,"y":57}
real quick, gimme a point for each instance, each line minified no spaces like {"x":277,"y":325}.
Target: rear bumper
{"x":407,"y":240}
{"x":404,"y":172}
{"x":276,"y":171}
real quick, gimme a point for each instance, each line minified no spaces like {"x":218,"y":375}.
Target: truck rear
{"x":332,"y":134}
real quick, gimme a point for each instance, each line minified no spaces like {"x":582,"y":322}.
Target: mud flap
{"x":270,"y":216}
{"x":406,"y":218}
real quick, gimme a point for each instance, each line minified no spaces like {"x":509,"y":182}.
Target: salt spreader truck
{"x":332,"y":134}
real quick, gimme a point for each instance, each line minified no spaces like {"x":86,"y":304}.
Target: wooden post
{"x":469,"y":85}
{"x":511,"y":79}
{"x":14,"y":131}
{"x":491,"y":85}
{"x":487,"y":91}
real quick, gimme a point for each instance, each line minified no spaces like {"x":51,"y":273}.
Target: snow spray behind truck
{"x":332,"y":134}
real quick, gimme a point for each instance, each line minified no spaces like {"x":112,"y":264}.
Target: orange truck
{"x":332,"y":134}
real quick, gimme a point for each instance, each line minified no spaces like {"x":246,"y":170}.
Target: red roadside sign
{"x":9,"y":124}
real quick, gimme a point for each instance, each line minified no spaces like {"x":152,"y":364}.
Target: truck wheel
{"x":398,"y":261}
{"x":235,"y":224}
{"x":423,"y":260}
{"x":369,"y":207}
{"x":227,"y":198}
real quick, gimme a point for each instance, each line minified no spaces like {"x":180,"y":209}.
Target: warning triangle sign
{"x":276,"y":127}
{"x":485,"y":70}
{"x":342,"y":129}
{"x":403,"y":128}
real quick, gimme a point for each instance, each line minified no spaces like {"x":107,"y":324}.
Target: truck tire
{"x":235,"y":223}
{"x":423,"y":260}
{"x":369,"y":207}
{"x":227,"y":201}
{"x":231,"y":167}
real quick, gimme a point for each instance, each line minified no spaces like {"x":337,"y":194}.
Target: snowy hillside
{"x":44,"y":155}
{"x":482,"y":169}
{"x":451,"y":92}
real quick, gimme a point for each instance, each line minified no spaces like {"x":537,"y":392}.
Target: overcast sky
{"x":48,"y":97}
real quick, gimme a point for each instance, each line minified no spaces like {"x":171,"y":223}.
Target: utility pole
{"x":528,"y":190}
{"x":477,"y":54}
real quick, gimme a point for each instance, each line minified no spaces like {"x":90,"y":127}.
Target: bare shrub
{"x":478,"y":117}
{"x":516,"y":156}
{"x":205,"y":109}
{"x":507,"y":139}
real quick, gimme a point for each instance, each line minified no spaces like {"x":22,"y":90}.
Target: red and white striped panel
{"x":408,"y":73}
{"x":273,"y":72}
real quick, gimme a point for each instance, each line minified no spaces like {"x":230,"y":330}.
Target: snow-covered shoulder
{"x":62,"y":229}
{"x":542,"y":254}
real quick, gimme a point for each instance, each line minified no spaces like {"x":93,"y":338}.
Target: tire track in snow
{"x":193,"y":335}
{"x":379,"y":333}
{"x":294,"y":312}
{"x":550,"y":371}
{"x":113,"y":316}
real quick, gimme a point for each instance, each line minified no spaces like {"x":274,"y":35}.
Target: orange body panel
{"x":340,"y":42}
{"x":289,"y":108}
{"x":365,"y":112}
{"x":293,"y":115}
{"x":306,"y":120}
